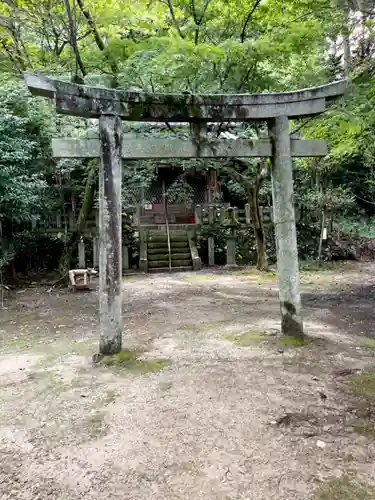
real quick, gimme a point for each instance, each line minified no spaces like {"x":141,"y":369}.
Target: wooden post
{"x":211,"y":241}
{"x":110,"y":231}
{"x":247,"y":213}
{"x":285,"y":228}
{"x":81,"y":255}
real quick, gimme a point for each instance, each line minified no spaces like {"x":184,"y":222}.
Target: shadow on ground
{"x":351,"y":309}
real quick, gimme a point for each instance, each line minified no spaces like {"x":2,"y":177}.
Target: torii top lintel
{"x":92,"y":102}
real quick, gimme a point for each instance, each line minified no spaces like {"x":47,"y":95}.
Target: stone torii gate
{"x":112,"y":106}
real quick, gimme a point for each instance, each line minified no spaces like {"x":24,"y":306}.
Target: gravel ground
{"x":222,"y":421}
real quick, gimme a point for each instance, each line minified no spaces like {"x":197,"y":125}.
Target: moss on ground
{"x":296,"y":341}
{"x":204,"y":326}
{"x":363,"y":385}
{"x":246,"y":339}
{"x":200,"y":277}
{"x":129,"y":361}
{"x":344,"y":488}
{"x":370,"y":344}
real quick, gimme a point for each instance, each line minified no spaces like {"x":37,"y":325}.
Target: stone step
{"x":172,"y":232}
{"x":165,"y":256}
{"x":158,"y":249}
{"x":158,"y":263}
{"x":180,"y":255}
{"x":174,"y":269}
{"x":164,"y":237}
{"x":181,"y":262}
{"x":157,"y":244}
{"x":179,"y":247}
{"x":164,"y":243}
{"x":165,"y":263}
{"x":158,"y":257}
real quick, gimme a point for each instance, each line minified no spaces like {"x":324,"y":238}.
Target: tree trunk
{"x":86,"y":209}
{"x":74,"y":44}
{"x":257,"y":220}
{"x":100,"y":44}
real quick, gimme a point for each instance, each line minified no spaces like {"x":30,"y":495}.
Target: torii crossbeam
{"x":113,"y":106}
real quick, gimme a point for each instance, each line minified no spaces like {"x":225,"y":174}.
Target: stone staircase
{"x":184,"y":256}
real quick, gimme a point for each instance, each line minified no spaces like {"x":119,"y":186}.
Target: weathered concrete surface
{"x":139,"y":148}
{"x":285,"y":228}
{"x":110,"y":235}
{"x":91,"y":102}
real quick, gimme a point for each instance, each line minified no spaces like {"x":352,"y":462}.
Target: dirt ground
{"x":235,"y":415}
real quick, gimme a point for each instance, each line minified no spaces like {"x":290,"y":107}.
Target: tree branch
{"x":99,"y":42}
{"x":171,"y":10}
{"x":73,"y":41}
{"x":247,"y":20}
{"x":246,"y":76}
{"x":198,"y":22}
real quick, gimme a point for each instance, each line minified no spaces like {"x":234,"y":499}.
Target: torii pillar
{"x":110,"y":234}
{"x":285,"y":228}
{"x":111,"y":106}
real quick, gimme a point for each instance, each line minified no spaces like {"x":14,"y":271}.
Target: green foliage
{"x":330,"y":199}
{"x":358,"y":225}
{"x":34,"y":250}
{"x":218,"y":46}
{"x":6,"y":255}
{"x":180,"y":192}
{"x":22,"y":147}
